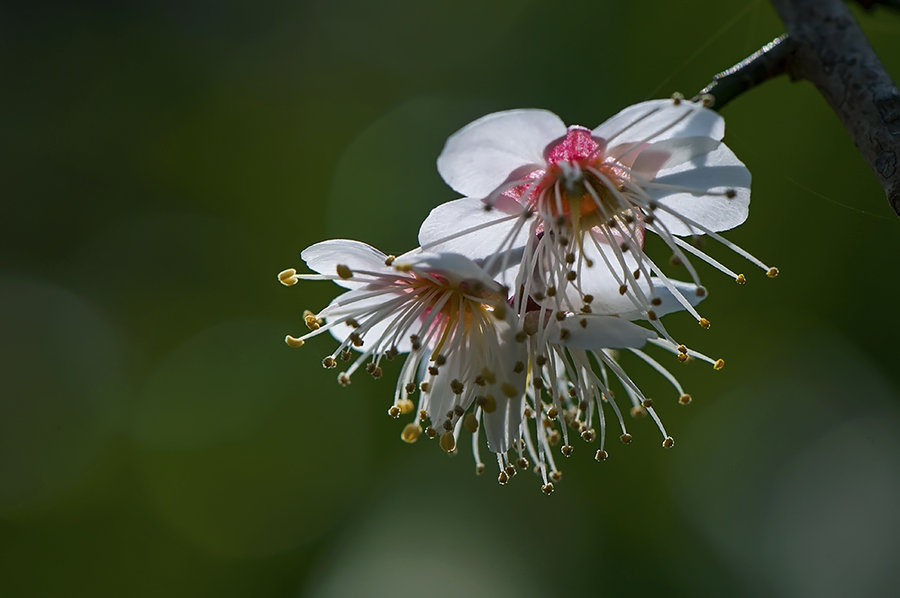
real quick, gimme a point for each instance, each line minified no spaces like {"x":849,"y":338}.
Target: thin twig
{"x":767,"y":62}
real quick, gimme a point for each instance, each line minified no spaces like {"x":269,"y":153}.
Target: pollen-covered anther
{"x":570,"y":258}
{"x":551,"y":291}
{"x":626,"y":438}
{"x":772,"y":273}
{"x":707,"y":99}
{"x":553,"y":437}
{"x":567,"y":449}
{"x":510,"y":470}
{"x":684,"y":399}
{"x":503,"y":478}
{"x":540,"y":360}
{"x":519,"y":367}
{"x":448,"y":443}
{"x":488,"y":403}
{"x":470,"y":422}
{"x":623,"y":289}
{"x":638,"y":411}
{"x":389,"y":260}
{"x":651,"y":315}
{"x":509,"y":391}
{"x":355,"y":339}
{"x":571,"y":275}
{"x":556,"y":476}
{"x":730,"y":193}
{"x":344,"y":271}
{"x":448,"y":425}
{"x":406,"y":406}
{"x":601,"y":455}
{"x":456,"y":386}
{"x":312,"y":322}
{"x":669,"y":442}
{"x":410,"y":388}
{"x":410,"y":433}
{"x":433,"y":370}
{"x":343,"y":379}
{"x":423,"y":415}
{"x":479,"y":469}
{"x":552,"y":413}
{"x":288,"y":277}
{"x":719,"y":364}
{"x":656,"y":301}
{"x":682,"y":349}
{"x":522,"y":463}
{"x":293,"y":342}
{"x":329,"y":362}
{"x":588,"y":435}
{"x":430,"y":432}
{"x":394,"y":411}
{"x":547,"y":488}
{"x":703,"y":322}
{"x":424,"y":386}
{"x":560,"y":316}
{"x":683,"y":357}
{"x":564,"y":333}
{"x":700,"y":291}
{"x":677,"y":98}
{"x":647,"y":403}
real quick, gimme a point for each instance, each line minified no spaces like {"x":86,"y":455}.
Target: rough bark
{"x":831,"y":52}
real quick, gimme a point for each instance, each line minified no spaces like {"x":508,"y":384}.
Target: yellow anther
{"x":522,"y":463}
{"x":448,"y":443}
{"x":626,"y":438}
{"x":669,"y":442}
{"x":552,"y":413}
{"x":601,"y":455}
{"x":772,"y":273}
{"x":470,"y":422}
{"x":430,"y":432}
{"x":293,"y":342}
{"x":685,"y":399}
{"x":647,"y":403}
{"x":389,"y":260}
{"x":503,"y":478}
{"x":405,"y":406}
{"x":682,"y":349}
{"x":394,"y":411}
{"x":288,"y":277}
{"x":312,"y":322}
{"x":329,"y":362}
{"x":720,"y":363}
{"x":704,"y":323}
{"x":567,"y":450}
{"x":547,"y":488}
{"x":344,"y":271}
{"x":741,"y":279}
{"x":410,"y":433}
{"x":588,"y":435}
{"x":683,"y":357}
{"x":403,"y":267}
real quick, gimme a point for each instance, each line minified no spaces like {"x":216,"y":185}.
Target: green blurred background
{"x":162,"y":161}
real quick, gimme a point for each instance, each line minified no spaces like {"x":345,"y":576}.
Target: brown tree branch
{"x":831,"y":52}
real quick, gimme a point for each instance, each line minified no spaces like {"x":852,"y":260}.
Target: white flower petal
{"x":657,"y":120}
{"x":721,"y":171}
{"x":464,"y":227}
{"x":667,"y":154}
{"x":482,"y":155}
{"x":592,"y":332}
{"x":326,"y":256}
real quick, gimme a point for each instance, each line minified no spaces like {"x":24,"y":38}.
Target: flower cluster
{"x":513,"y":311}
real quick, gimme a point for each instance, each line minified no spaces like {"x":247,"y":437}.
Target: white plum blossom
{"x":573,"y":205}
{"x":446,"y":314}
